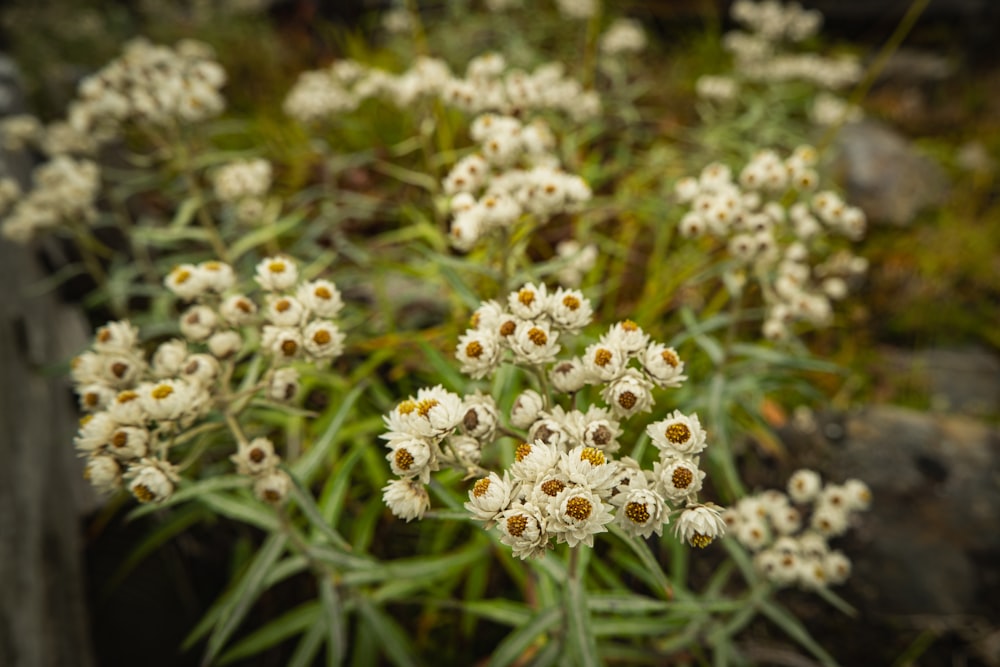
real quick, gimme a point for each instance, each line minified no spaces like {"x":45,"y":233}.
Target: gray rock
{"x":885,"y":175}
{"x":965,"y":380}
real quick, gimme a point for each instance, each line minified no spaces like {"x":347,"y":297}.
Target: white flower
{"x":201,"y":369}
{"x":663,"y":365}
{"x":283,"y":385}
{"x":829,"y":520}
{"x":434,"y":413}
{"x":165,"y":400}
{"x":623,"y":36}
{"x":629,"y":394}
{"x":601,"y":431}
{"x":224,"y":344}
{"x":568,"y":376}
{"x":323,"y":340}
{"x":275,"y":274}
{"x":320,"y":297}
{"x":285,"y":343}
{"x":589,"y":467}
{"x":104,"y":473}
{"x":532,"y":461}
{"x":479,"y":352}
{"x":753,"y":534}
{"x":152,"y":480}
{"x":859,"y":496}
{"x":119,"y":370}
{"x":198,"y":323}
{"x":529,"y":302}
{"x":570,"y":310}
{"x":481,"y":417}
{"x":804,"y":485}
{"x":238,"y":310}
{"x":678,"y":478}
{"x":488,"y":497}
{"x":186,"y":281}
{"x":786,"y":521}
{"x":406,"y":498}
{"x":217,"y":276}
{"x":272,"y":487}
{"x":126,"y":408}
{"x":256,"y":457}
{"x":699,"y":525}
{"x":604,"y":362}
{"x":412,"y":458}
{"x":284,"y":311}
{"x":641,"y":513}
{"x":837,"y":567}
{"x":626,"y":335}
{"x":129,"y":442}
{"x":678,"y":434}
{"x":95,"y":397}
{"x":811,"y":573}
{"x":577,"y":514}
{"x":95,"y":432}
{"x":523,"y":528}
{"x":526,"y":408}
{"x":120,"y":336}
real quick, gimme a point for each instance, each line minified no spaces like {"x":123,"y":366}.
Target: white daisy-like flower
{"x":256,"y":457}
{"x":629,"y":394}
{"x":829,"y":520}
{"x":529,"y":302}
{"x":601,"y":431}
{"x":186,"y":281}
{"x":95,"y":397}
{"x":197,"y":323}
{"x":813,"y":544}
{"x":641,"y":513}
{"x":217,"y":276}
{"x":225,"y":344}
{"x":532,"y":460}
{"x":804,"y":485}
{"x":589,"y":467}
{"x":628,"y":477}
{"x":104,"y":473}
{"x":466,"y":450}
{"x":283,"y":385}
{"x":526,"y":408}
{"x":479,"y":352}
{"x":481,"y":417}
{"x":152,"y":480}
{"x":753,"y":535}
{"x":837,"y":567}
{"x":628,"y":336}
{"x":323,"y":340}
{"x":568,"y":376}
{"x":166,"y":400}
{"x":126,"y":408}
{"x":87,"y":368}
{"x":811,"y":574}
{"x":678,"y":434}
{"x":95,"y":432}
{"x":787,"y":521}
{"x":285,"y":343}
{"x":678,"y":478}
{"x":284,"y":311}
{"x":433,"y":413}
{"x":320,"y":297}
{"x":412,"y":458}
{"x":663,"y":365}
{"x":700,"y":525}
{"x":406,"y":498}
{"x":488,"y":317}
{"x":120,"y":336}
{"x":523,"y":528}
{"x":120,"y":370}
{"x":201,"y":369}
{"x":859,"y":496}
{"x":550,"y":428}
{"x":570,"y":310}
{"x":238,"y":310}
{"x":128,"y":443}
{"x":578,"y":513}
{"x":489,"y":496}
{"x":534,"y":342}
{"x":275,"y":274}
{"x":546,"y":489}
{"x":604,"y":363}
{"x":273,"y":486}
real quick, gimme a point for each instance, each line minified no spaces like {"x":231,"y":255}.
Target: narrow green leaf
{"x":419,"y":568}
{"x":625,"y":604}
{"x":243,"y":509}
{"x":287,"y":625}
{"x":309,"y":463}
{"x":393,"y":640}
{"x":642,"y":550}
{"x":507,"y":612}
{"x":308,"y":647}
{"x":417,"y":178}
{"x":261,"y":236}
{"x":308,"y":506}
{"x":332,"y":501}
{"x":334,"y":619}
{"x":193,"y":490}
{"x":444,"y":370}
{"x":247,"y":589}
{"x":837,"y":602}
{"x":579,"y":633}
{"x":794,"y":629}
{"x":516,"y":643}
{"x":185,"y":212}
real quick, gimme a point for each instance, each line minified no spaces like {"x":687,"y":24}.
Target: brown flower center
{"x":282,"y":305}
{"x":522,"y":450}
{"x":119,"y":369}
{"x":552,"y":487}
{"x":627,"y":400}
{"x":537,"y":336}
{"x":322,"y":337}
{"x":143,"y":493}
{"x":578,"y":508}
{"x":517,"y":524}
{"x":257,"y":455}
{"x":404,"y":459}
{"x":481,"y":487}
{"x":700,"y":541}
{"x":678,"y":433}
{"x":681,"y":478}
{"x":289,"y":348}
{"x":474,"y":349}
{"x":571,"y":302}
{"x":637,"y":513}
{"x":119,"y":439}
{"x":603,"y":357}
{"x":507,"y":328}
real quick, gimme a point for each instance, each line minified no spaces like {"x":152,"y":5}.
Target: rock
{"x":920,"y":548}
{"x":965,"y":380}
{"x":884,"y":175}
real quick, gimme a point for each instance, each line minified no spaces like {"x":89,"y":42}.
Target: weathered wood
{"x":42,"y":600}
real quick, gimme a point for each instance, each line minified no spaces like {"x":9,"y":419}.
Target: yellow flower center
{"x":603,"y":357}
{"x":161,"y":391}
{"x":276,"y":267}
{"x":522,"y":450}
{"x":481,"y":487}
{"x":322,"y":292}
{"x":571,"y":302}
{"x":670,"y":358}
{"x":578,"y":508}
{"x":474,"y":349}
{"x":681,"y":478}
{"x":537,"y":336}
{"x":552,"y":487}
{"x":526,"y":296}
{"x":517,"y":524}
{"x":593,"y":455}
{"x":282,"y":305}
{"x":678,"y":433}
{"x":181,"y":276}
{"x":406,"y":407}
{"x":629,"y":325}
{"x":637,"y":513}
{"x":143,"y":493}
{"x":126,"y":396}
{"x":322,"y":337}
{"x":700,"y":541}
{"x":404,"y":459}
{"x":425,"y":406}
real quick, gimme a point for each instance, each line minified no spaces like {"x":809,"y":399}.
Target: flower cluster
{"x":791,"y":547}
{"x":564,"y":482}
{"x":623,"y":36}
{"x":243,"y":185}
{"x":488,"y":85}
{"x":513,"y":174}
{"x":65,"y":191}
{"x":779,"y":244}
{"x":139,"y":409}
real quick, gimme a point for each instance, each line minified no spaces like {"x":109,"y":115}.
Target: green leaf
{"x":309,"y":463}
{"x":794,"y":629}
{"x":837,"y":602}
{"x":261,"y":236}
{"x":287,"y":625}
{"x":417,"y":178}
{"x":185,"y":212}
{"x":642,"y":550}
{"x":193,"y":490}
{"x":516,"y":643}
{"x":420,"y":568}
{"x":444,"y":370}
{"x":308,"y":506}
{"x":243,"y":509}
{"x":579,"y":633}
{"x":308,"y":647}
{"x":625,"y":604}
{"x":392,"y":637}
{"x":246,"y":591}
{"x":335,"y":622}
{"x":506,"y":612}
{"x":332,"y":501}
